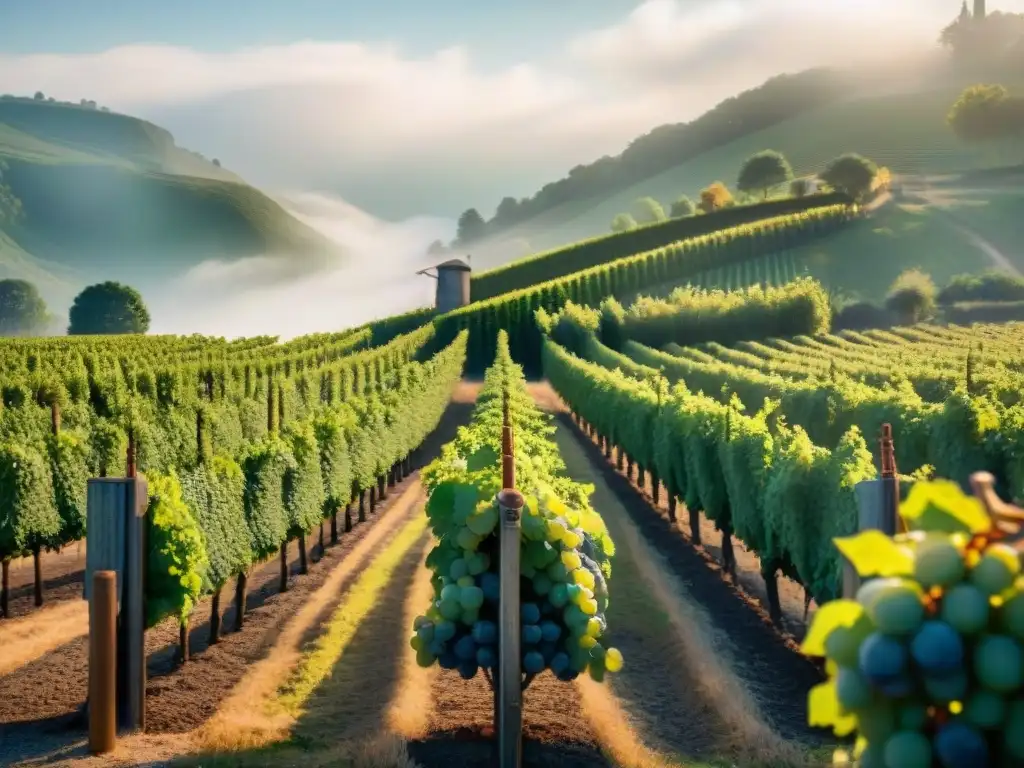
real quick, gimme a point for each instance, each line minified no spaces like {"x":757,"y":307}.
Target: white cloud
{"x":437,"y":133}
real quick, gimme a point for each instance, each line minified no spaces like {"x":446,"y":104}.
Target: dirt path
{"x":37,"y":713}
{"x":746,"y":681}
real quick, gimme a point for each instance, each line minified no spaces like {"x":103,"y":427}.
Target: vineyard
{"x":678,"y":483}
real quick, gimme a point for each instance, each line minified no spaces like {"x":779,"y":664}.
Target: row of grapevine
{"x":586,"y":254}
{"x":754,"y":476}
{"x":935,"y":361}
{"x":47,"y":453}
{"x":564,"y":546}
{"x":514,"y":311}
{"x":963,"y":433}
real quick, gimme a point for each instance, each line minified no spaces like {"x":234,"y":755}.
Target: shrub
{"x":912,"y":297}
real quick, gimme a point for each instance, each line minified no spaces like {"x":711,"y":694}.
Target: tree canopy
{"x":471,"y":227}
{"x":714,"y":196}
{"x":850,"y":173}
{"x":682,"y":207}
{"x":912,"y":297}
{"x":623,"y":223}
{"x":986,"y":113}
{"x":764,"y":171}
{"x":22,"y":309}
{"x":10,"y":205}
{"x":647,"y":210}
{"x":108,"y":308}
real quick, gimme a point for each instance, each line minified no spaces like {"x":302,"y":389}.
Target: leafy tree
{"x":850,"y":173}
{"x":623,"y":223}
{"x":647,"y":210}
{"x":714,"y":196}
{"x":39,"y":96}
{"x":436,"y":248}
{"x":216,"y":162}
{"x":682,"y":208}
{"x":801,"y":187}
{"x":986,"y":113}
{"x":22,"y":309}
{"x":764,"y":171}
{"x":471,"y":227}
{"x":912,"y":297}
{"x":108,"y":308}
{"x":506,"y":213}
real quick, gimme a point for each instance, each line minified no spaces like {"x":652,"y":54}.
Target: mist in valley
{"x":375,"y":277}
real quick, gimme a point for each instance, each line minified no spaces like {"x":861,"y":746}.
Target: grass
{"x":906,"y":132}
{"x":27,"y":638}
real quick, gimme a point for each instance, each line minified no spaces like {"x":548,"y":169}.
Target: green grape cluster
{"x":926,"y":664}
{"x":563,"y":587}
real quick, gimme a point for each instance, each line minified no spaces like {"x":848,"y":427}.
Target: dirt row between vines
{"x":42,"y":706}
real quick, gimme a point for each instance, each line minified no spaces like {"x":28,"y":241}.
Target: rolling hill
{"x":109,"y":196}
{"x":906,"y":132}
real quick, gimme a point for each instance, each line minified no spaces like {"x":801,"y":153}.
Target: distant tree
{"x":216,"y":162}
{"x":471,"y":227}
{"x":682,"y":207}
{"x":801,"y":187}
{"x":860,"y":315}
{"x":22,"y":309}
{"x":911,"y":298}
{"x":623,"y":223}
{"x":763,"y":172}
{"x":850,"y":173}
{"x":436,"y":248}
{"x":108,"y":308}
{"x":714,"y":197}
{"x":647,"y":210}
{"x":506,"y":213}
{"x":39,"y":96}
{"x":985,"y":113}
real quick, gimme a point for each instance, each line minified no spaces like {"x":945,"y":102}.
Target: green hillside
{"x":906,"y":132}
{"x":106,"y":195}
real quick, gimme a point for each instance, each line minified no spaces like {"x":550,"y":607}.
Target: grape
{"x":465,"y":648}
{"x":486,"y":657}
{"x":485,"y":632}
{"x":998,"y":663}
{"x":1012,"y":615}
{"x":530,"y":613}
{"x":467,"y":669}
{"x":937,"y":648}
{"x":897,"y":609}
{"x":938,"y":562}
{"x":872,"y":588}
{"x":949,"y":688}
{"x":471,"y":597}
{"x":996,"y":570}
{"x":958,"y":745}
{"x":1013,"y":730}
{"x":842,"y":646}
{"x":877,"y":722}
{"x":852,"y":689}
{"x":912,"y":716}
{"x":908,"y":749}
{"x":533,"y":662}
{"x":550,"y":631}
{"x":532,"y":634}
{"x":882,"y":658}
{"x":490,"y":583}
{"x":985,"y":709}
{"x":613,"y":660}
{"x":966,"y":609}
{"x":897,"y":687}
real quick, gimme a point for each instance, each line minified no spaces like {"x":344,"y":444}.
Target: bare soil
{"x":63,"y":574}
{"x":42,"y":705}
{"x":770,"y":665}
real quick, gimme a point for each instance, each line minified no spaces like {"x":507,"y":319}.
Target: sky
{"x":396,"y":115}
{"x":405,"y":107}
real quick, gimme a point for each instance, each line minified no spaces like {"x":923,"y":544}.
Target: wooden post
{"x":116,"y":521}
{"x":103,"y":663}
{"x":878,"y":503}
{"x":508,"y":688}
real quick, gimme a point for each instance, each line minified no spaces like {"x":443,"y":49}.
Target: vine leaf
{"x":838,"y":613}
{"x":942,"y":506}
{"x":823,"y":710}
{"x":872,"y":553}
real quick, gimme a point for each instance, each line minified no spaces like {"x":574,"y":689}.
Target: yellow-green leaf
{"x":823,"y":710}
{"x":837,"y":613}
{"x":940,"y":505}
{"x":872,"y":553}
